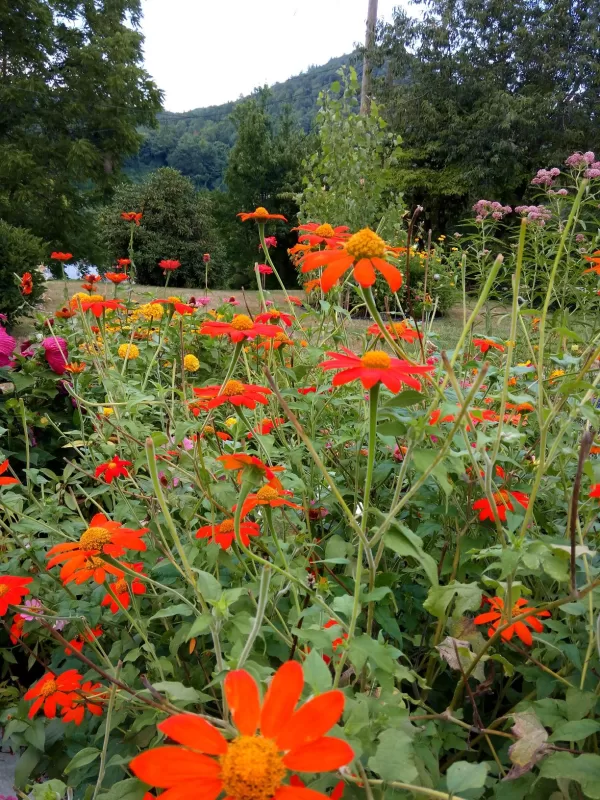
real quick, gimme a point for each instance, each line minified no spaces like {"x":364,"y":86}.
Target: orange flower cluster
{"x":67,"y":693}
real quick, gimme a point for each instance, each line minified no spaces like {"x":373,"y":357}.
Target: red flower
{"x":115,"y":468}
{"x":375,"y":366}
{"x":131,"y":216}
{"x":336,"y":642}
{"x":498,"y":617}
{"x":183,"y":308}
{"x":261,"y":215}
{"x":64,"y":313}
{"x":314,"y":234}
{"x":265,"y":269}
{"x":434,"y":418}
{"x":168,"y":264}
{"x":265,"y":427}
{"x":397,"y":330}
{"x":503,"y":504}
{"x":116,"y":277}
{"x":6,"y":481}
{"x":240,"y":328}
{"x":224,"y":534}
{"x":206,"y":258}
{"x":122,"y":589}
{"x":241,"y":462}
{"x":81,"y":638}
{"x":87,"y":698}
{"x":26,"y":283}
{"x":594,"y":260}
{"x":97,"y":307}
{"x":123,"y":263}
{"x":16,"y":629}
{"x":234,"y":392}
{"x":89,"y":278}
{"x":307,"y":390}
{"x":295,"y":300}
{"x":364,"y":252}
{"x":594,"y":491}
{"x":252,"y":766}
{"x":12,"y":590}
{"x":271,"y":495}
{"x":53,"y":691}
{"x":273,"y":314}
{"x":270,"y":241}
{"x":58,"y":256}
{"x":485,"y":344}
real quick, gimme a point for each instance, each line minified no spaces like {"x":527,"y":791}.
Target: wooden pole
{"x":365,"y":93}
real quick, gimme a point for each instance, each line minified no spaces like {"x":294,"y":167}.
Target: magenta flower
{"x":265,"y":269}
{"x":57,"y":353}
{"x":270,"y":241}
{"x":7,"y":345}
{"x":35,"y":604}
{"x":202,"y":301}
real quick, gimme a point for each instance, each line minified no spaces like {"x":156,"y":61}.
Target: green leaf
{"x":575,"y":730}
{"x":316,"y":672}
{"x":378,"y":593}
{"x":25,"y":766}
{"x":82,"y":759}
{"x":409,"y":397}
{"x":462,"y":776}
{"x":579,"y":704}
{"x":363,"y":648}
{"x":584,"y":769}
{"x":335,"y":87}
{"x":209,"y":586}
{"x":177,"y":691}
{"x":199,"y":626}
{"x":129,"y":789}
{"x":404,"y":542}
{"x":36,"y":734}
{"x":468,"y":598}
{"x":394,"y":759}
{"x":49,"y":790}
{"x":180,"y":609}
{"x":423,"y":459}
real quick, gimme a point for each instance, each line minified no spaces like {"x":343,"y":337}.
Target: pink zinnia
{"x":265,"y":269}
{"x":270,"y":241}
{"x":202,"y":301}
{"x":232,"y":301}
{"x":7,"y":345}
{"x":57,"y":353}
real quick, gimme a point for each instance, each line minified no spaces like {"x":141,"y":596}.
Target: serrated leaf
{"x":409,"y":397}
{"x":129,"y":789}
{"x":208,"y":585}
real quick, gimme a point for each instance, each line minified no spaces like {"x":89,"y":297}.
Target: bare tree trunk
{"x":365,"y":93}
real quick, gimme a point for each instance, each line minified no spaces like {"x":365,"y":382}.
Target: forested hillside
{"x":197,"y":142}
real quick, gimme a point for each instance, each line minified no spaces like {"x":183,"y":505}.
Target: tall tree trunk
{"x":365,"y":93}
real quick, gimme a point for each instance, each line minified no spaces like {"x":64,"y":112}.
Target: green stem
{"x":263,"y":596}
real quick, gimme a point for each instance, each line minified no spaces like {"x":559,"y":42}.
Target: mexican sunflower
{"x":58,"y":256}
{"x":169,"y":264}
{"x":594,"y":260}
{"x":64,"y":313}
{"x":260,"y":215}
{"x":78,"y":641}
{"x":314,"y":234}
{"x":12,"y":590}
{"x":123,"y":589}
{"x":503,"y":504}
{"x":274,"y":316}
{"x":87,"y":698}
{"x":53,"y":691}
{"x":224,"y":534}
{"x":235,"y":392}
{"x":242,"y":462}
{"x":364,"y":252}
{"x":485,"y":344}
{"x":269,"y":495}
{"x":595,"y":491}
{"x":97,"y":307}
{"x":75,"y":367}
{"x":498,"y":617}
{"x":132,"y":216}
{"x":123,"y":263}
{"x":6,"y":481}
{"x":116,"y":277}
{"x":115,"y":468}
{"x":26,"y":283}
{"x":374,"y":366}
{"x":239,"y":329}
{"x":252,"y":766}
{"x":332,"y":623}
{"x":397,"y":330}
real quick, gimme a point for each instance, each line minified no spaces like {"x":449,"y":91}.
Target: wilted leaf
{"x":458,"y":655}
{"x":531,"y":745}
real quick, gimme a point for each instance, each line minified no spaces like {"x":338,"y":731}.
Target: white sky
{"x":207,"y":52}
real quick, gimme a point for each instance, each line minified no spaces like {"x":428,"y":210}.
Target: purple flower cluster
{"x":486,"y":208}
{"x":559,"y":192}
{"x":585,"y":161}
{"x":539,"y":214}
{"x":546,"y":177}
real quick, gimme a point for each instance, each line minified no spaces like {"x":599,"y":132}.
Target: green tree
{"x":177,"y":223}
{"x":20,"y":252}
{"x":73,"y":92}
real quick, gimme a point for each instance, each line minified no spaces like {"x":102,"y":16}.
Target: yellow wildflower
{"x":231,"y":421}
{"x":107,"y":411}
{"x":129,"y":351}
{"x":191,"y":363}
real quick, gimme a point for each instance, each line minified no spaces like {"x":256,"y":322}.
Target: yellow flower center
{"x":325,"y":230}
{"x":209,"y":429}
{"x":376,"y":359}
{"x":281,"y":337}
{"x":261,"y":212}
{"x":94,"y":538}
{"x":112,"y":465}
{"x":241,"y":322}
{"x":233,"y":388}
{"x":120,"y":587}
{"x":365,"y":244}
{"x":3,"y":589}
{"x":48,"y":688}
{"x":226,"y":526}
{"x":93,"y":562}
{"x":252,"y":768}
{"x":267,"y":493}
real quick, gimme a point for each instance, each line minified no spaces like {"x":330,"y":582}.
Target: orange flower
{"x":397,"y":330}
{"x":81,"y":638}
{"x":169,"y":264}
{"x":75,"y":367}
{"x":240,"y":328}
{"x":122,"y":589}
{"x":336,"y":642}
{"x":224,"y":534}
{"x":434,"y":418}
{"x":252,"y":766}
{"x":279,"y":340}
{"x":89,"y":287}
{"x":315,"y":234}
{"x":64,"y":313}
{"x":58,"y":256}
{"x":311,"y":285}
{"x":274,"y":314}
{"x":594,"y":260}
{"x":12,"y":590}
{"x":116,"y":277}
{"x":234,"y":392}
{"x":53,"y":691}
{"x":271,"y":495}
{"x":26,"y":283}
{"x":123,"y":263}
{"x":87,"y":698}
{"x":210,"y":431}
{"x":261,"y":215}
{"x":16,"y":629}
{"x":503,"y":503}
{"x":364,"y":252}
{"x":485,"y":344}
{"x":497,"y":617}
{"x":595,"y":490}
{"x":242,"y":462}
{"x":295,"y":300}
{"x":115,"y":468}
{"x":131,"y":216}
{"x":374,"y":366}
{"x":265,"y":427}
{"x":6,"y":481}
{"x":97,"y":307}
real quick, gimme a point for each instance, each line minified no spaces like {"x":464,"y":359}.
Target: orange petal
{"x":207,"y":790}
{"x":392,"y":275}
{"x":334,"y":272}
{"x":364,"y":274}
{"x":312,"y":721}
{"x":281,"y":698}
{"x":523,"y":633}
{"x":242,"y":695}
{"x":168,"y":766}
{"x":322,"y":755}
{"x":322,"y":258}
{"x":194,"y":732}
{"x":297,"y":793}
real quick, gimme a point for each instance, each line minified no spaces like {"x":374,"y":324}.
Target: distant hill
{"x":198,"y":142}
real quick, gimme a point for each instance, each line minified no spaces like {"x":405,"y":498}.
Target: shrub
{"x":20,"y":252}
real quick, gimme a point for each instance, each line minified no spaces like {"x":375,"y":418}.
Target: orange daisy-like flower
{"x":115,"y":468}
{"x":64,"y":313}
{"x":242,"y":462}
{"x":16,"y":629}
{"x":12,"y":590}
{"x":78,"y":642}
{"x":6,"y":481}
{"x":240,"y":328}
{"x":123,"y":590}
{"x":169,"y":264}
{"x":265,"y":426}
{"x":279,"y":340}
{"x":52,"y":692}
{"x":116,"y":277}
{"x":26,"y":283}
{"x":397,"y":330}
{"x":485,"y":344}
{"x":595,"y":490}
{"x":295,"y":300}
{"x":57,"y":255}
{"x":503,"y":504}
{"x":594,"y":260}
{"x":224,"y":534}
{"x":315,"y":234}
{"x":75,"y":367}
{"x":98,"y":307}
{"x":375,"y":366}
{"x":89,"y":697}
{"x":132,"y":216}
{"x":234,"y":392}
{"x":260,"y":215}
{"x":365,"y":252}
{"x":336,"y":642}
{"x":253,"y":765}
{"x":498,"y":617}
{"x":271,"y":495}
{"x":275,"y":315}
{"x":210,"y":431}
{"x":311,"y":285}
{"x":123,"y":263}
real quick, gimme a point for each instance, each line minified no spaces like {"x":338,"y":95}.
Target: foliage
{"x":177,"y":223}
{"x":20,"y":252}
{"x":73,"y":93}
